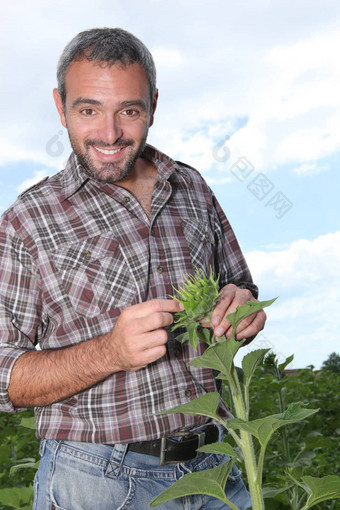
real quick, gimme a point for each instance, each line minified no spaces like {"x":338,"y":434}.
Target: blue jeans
{"x":88,"y":476}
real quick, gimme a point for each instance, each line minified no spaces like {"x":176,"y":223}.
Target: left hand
{"x":230,"y":298}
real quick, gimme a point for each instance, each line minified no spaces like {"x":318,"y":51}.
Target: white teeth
{"x":106,"y":151}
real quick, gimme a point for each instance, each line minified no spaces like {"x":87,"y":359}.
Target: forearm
{"x":42,"y":377}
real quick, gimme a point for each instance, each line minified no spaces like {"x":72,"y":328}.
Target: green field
{"x":310,"y":447}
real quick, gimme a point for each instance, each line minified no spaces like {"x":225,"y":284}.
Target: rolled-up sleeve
{"x":19,"y":307}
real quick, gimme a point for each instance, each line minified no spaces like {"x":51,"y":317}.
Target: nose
{"x":110,"y":129}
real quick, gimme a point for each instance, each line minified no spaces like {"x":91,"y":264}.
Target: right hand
{"x":139,"y":337}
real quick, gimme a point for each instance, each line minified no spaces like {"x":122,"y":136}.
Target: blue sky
{"x":249,"y":95}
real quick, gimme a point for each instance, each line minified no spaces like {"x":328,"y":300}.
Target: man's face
{"x":107,"y":115}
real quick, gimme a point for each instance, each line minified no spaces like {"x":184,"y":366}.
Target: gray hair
{"x":108,"y":45}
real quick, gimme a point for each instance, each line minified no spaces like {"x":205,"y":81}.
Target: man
{"x":88,"y":259}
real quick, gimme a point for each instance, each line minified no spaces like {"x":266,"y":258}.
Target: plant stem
{"x":229,"y":503}
{"x":251,"y":470}
{"x":246,"y":444}
{"x":260,"y":464}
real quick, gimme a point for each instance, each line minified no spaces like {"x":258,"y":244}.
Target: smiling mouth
{"x":109,"y":152}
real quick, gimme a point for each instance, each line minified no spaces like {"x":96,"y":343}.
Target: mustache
{"x":102,"y":143}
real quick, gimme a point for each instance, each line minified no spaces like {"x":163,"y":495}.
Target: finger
{"x":152,"y":339}
{"x":149,"y":357}
{"x":150,"y":348}
{"x":155,"y":305}
{"x":230,"y":299}
{"x":222,"y":306}
{"x":248,"y":329}
{"x":154,"y":321}
{"x":225,"y":327}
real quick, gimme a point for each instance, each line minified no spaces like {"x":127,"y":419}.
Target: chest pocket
{"x":200,"y":241}
{"x":95,"y":276}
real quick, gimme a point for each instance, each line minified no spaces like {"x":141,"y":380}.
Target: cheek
{"x":79,"y":131}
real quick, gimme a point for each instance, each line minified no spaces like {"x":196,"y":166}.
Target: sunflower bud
{"x":199,"y":295}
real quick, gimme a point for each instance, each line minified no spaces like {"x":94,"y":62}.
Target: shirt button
{"x":177,"y":353}
{"x":188,"y":393}
{"x":126,"y":200}
{"x":87,"y":253}
{"x":206,"y":235}
{"x":160,"y":269}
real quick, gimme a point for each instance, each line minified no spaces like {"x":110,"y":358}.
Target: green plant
{"x":18,"y":454}
{"x":332,"y":364}
{"x":309,"y":447}
{"x":219,"y":356}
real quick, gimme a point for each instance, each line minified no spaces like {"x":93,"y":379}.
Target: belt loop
{"x":116,"y":460}
{"x":42,"y":447}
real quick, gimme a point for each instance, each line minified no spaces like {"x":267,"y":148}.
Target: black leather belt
{"x":171,"y":451}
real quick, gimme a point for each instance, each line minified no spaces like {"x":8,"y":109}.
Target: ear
{"x":154,"y":106}
{"x":59,"y":105}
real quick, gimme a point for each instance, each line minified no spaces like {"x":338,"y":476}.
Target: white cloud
{"x":27,"y":183}
{"x":305,"y":320}
{"x":309,"y":169}
{"x":300,"y":265}
{"x":296,"y":105}
{"x":167,"y":58}
{"x":290,"y":100}
{"x":220,"y":64}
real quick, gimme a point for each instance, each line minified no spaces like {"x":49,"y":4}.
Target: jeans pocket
{"x":78,"y":482}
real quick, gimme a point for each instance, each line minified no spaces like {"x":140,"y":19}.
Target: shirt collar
{"x":167,"y":167}
{"x":75,"y":176}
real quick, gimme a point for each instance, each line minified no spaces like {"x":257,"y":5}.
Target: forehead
{"x":97,"y":79}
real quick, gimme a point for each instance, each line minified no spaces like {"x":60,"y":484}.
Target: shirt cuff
{"x":8,"y":357}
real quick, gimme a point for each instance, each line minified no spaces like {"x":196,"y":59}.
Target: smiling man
{"x":107,"y":111}
{"x":88,"y":259}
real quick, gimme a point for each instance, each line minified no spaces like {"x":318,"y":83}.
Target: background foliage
{"x":311,"y":446}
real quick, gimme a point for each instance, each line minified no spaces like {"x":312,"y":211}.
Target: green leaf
{"x":219,"y":448}
{"x":288,"y":360}
{"x":29,"y":423}
{"x":218,"y":357}
{"x":24,"y":465}
{"x":205,"y":405}
{"x":271,"y":492}
{"x":251,"y":361}
{"x":263,"y":428}
{"x":305,"y":458}
{"x":243,"y":311}
{"x":205,"y":335}
{"x":16,"y":497}
{"x":211,"y":482}
{"x":192,"y":330}
{"x":183,"y":337}
{"x":321,"y":489}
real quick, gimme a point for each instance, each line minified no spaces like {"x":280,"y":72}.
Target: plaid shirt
{"x":73,"y":254}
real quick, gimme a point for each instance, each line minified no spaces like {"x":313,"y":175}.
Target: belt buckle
{"x":163,"y":449}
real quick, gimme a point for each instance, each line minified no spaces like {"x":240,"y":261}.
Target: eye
{"x":88,"y":112}
{"x":130,"y":113}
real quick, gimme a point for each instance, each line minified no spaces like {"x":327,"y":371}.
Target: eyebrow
{"x":85,"y":100}
{"x":95,"y":102}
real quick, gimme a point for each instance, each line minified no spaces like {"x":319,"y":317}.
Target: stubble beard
{"x":108,"y":172}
